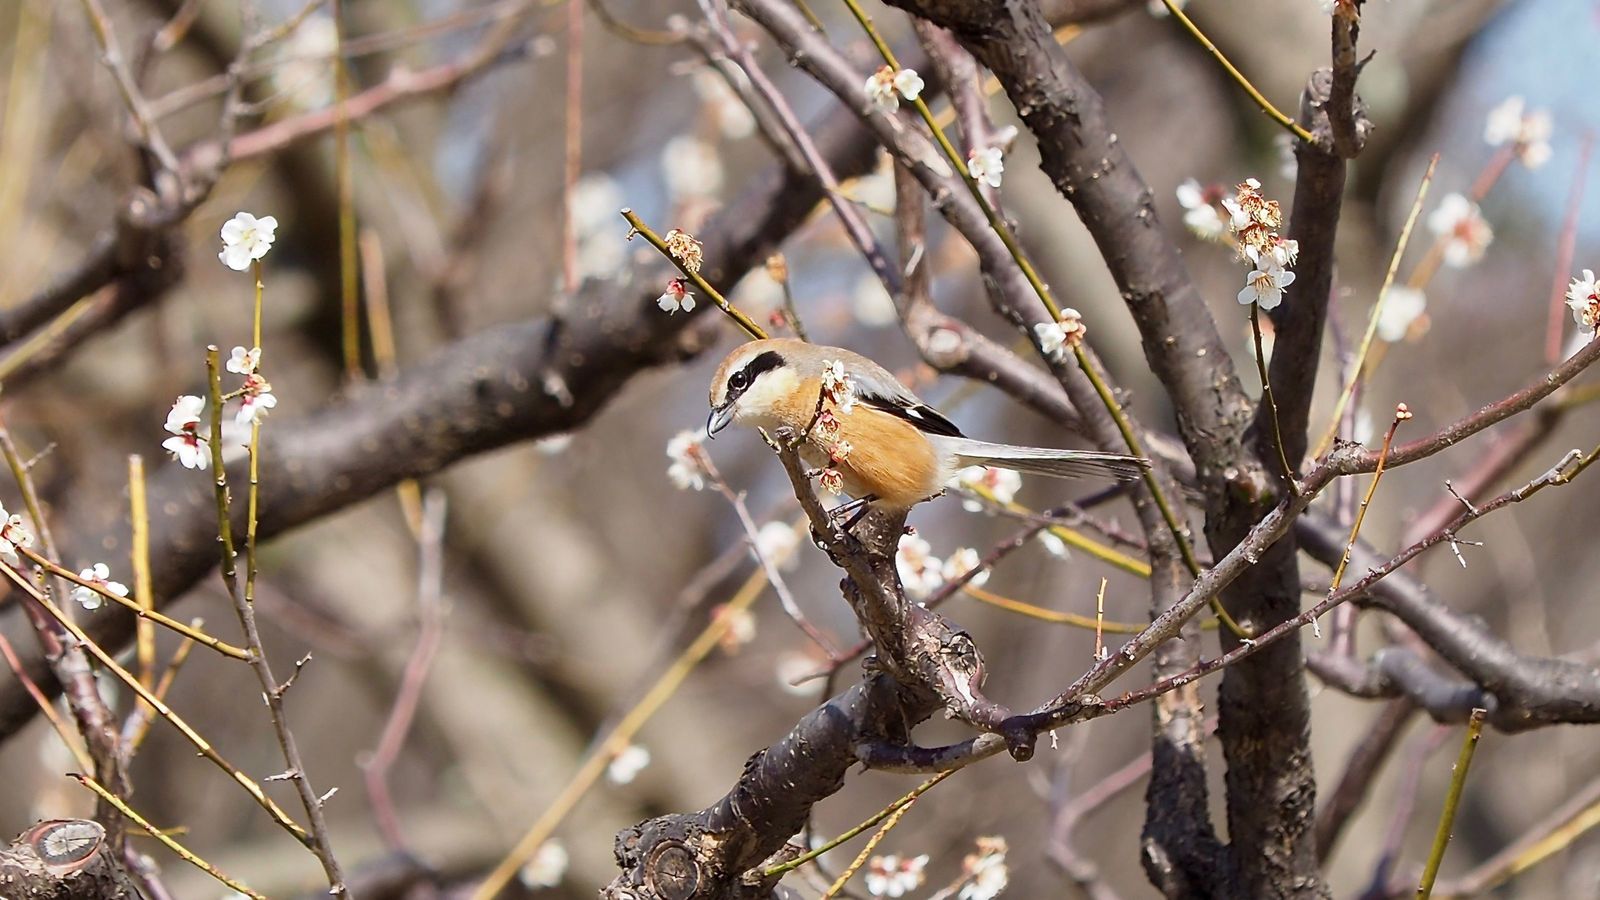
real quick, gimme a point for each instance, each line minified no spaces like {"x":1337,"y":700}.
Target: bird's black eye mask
{"x":740,"y":381}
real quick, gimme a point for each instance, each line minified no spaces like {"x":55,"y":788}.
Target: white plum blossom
{"x":732,"y":116}
{"x":776,"y":541}
{"x":986,"y":870}
{"x":987,"y":165}
{"x":255,"y":401}
{"x":894,"y":875}
{"x":740,"y":626}
{"x":1527,"y":132}
{"x":304,"y":69}
{"x":1278,"y":253}
{"x":13,"y":534}
{"x":838,"y":385}
{"x":1002,"y":484}
{"x":1583,"y":297}
{"x":627,"y":764}
{"x":676,"y":297}
{"x":187,"y":446}
{"x":692,"y":168}
{"x":908,"y":83}
{"x":885,"y":87}
{"x":1054,"y":545}
{"x":1264,"y":287}
{"x":1402,"y":307}
{"x":100,"y":574}
{"x":547,"y":868}
{"x":688,"y":472}
{"x":244,"y":362}
{"x":246,"y":239}
{"x":920,"y":571}
{"x":1052,"y":340}
{"x":1199,"y":204}
{"x":1461,"y":226}
{"x":961,"y":562}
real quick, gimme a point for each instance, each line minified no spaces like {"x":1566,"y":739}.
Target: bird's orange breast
{"x":888,"y":457}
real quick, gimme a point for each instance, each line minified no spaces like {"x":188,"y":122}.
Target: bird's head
{"x":756,"y":384}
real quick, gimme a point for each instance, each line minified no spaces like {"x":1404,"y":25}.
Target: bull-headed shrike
{"x":889,"y":448}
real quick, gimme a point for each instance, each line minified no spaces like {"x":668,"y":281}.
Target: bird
{"x":889,"y":449}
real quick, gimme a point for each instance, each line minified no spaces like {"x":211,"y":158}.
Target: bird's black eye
{"x":739,"y":381}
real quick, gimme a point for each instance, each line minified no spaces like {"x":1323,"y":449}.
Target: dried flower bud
{"x":685,"y":249}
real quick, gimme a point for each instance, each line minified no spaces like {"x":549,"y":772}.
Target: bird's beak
{"x":721,"y":417}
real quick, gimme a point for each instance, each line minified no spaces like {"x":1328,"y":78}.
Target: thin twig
{"x":68,"y":737}
{"x":183,"y":852}
{"x":1401,"y":414}
{"x":137,"y":725}
{"x":144,"y":615}
{"x":430,"y":632}
{"x":748,"y":324}
{"x":209,"y":752}
{"x":889,"y":823}
{"x":1566,"y":244}
{"x":1266,"y":391}
{"x":602,"y":752}
{"x":1452,"y":799}
{"x":845,"y":836}
{"x":1358,"y":368}
{"x":1261,"y":101}
{"x":319,"y":840}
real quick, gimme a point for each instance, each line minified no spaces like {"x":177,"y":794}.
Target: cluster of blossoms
{"x":922,"y":573}
{"x":1528,"y":132}
{"x":1460,"y":226}
{"x":245,"y":240}
{"x":13,"y":534}
{"x":687,"y":452}
{"x":1200,"y":204}
{"x":100,"y":574}
{"x":886,"y":86}
{"x":986,"y":871}
{"x":840,"y":393}
{"x":184,"y":420}
{"x":894,"y":875}
{"x":1055,"y":337}
{"x":1583,"y":296}
{"x":987,"y":165}
{"x":1254,"y":221}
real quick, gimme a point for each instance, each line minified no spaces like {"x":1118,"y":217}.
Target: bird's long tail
{"x":1046,"y":461}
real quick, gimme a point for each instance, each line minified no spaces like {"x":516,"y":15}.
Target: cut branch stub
{"x":62,"y":859}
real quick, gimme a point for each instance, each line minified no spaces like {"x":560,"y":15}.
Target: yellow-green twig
{"x":1452,"y":799}
{"x":161,"y":708}
{"x":745,"y":322}
{"x":184,"y":853}
{"x":1358,"y":369}
{"x":1401,"y":414}
{"x":145,"y":615}
{"x":138,"y":727}
{"x":139,"y":558}
{"x":620,"y":737}
{"x":874,"y":819}
{"x":889,"y":823}
{"x":1266,"y":106}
